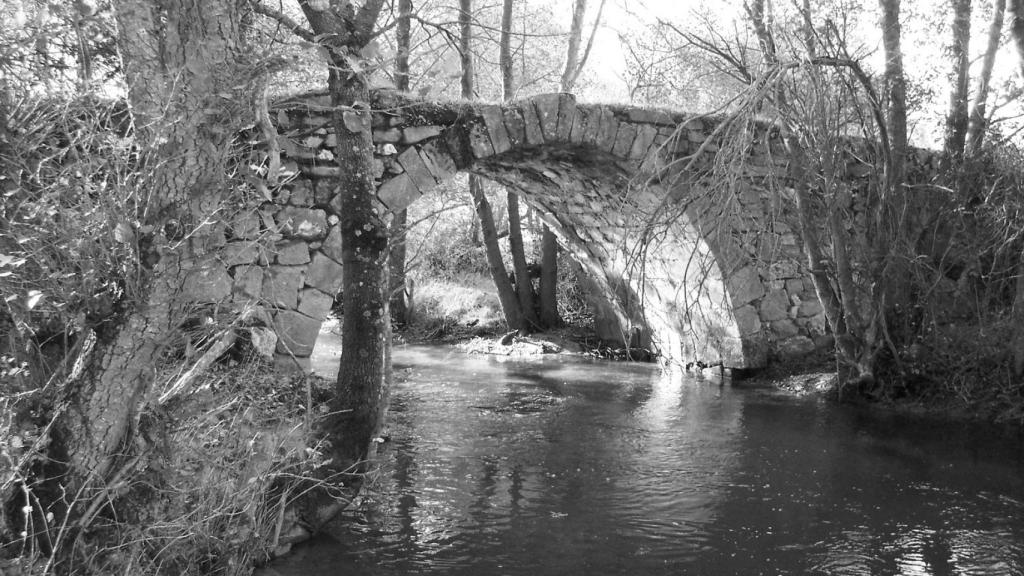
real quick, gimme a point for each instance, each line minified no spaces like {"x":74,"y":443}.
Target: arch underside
{"x":659,"y":282}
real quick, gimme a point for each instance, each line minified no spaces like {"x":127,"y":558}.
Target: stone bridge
{"x":698,"y":266}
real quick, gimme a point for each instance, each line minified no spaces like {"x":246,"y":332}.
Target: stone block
{"x":296,"y":333}
{"x":438,"y":161}
{"x":794,"y":286}
{"x":398,"y":192}
{"x":292,"y":253}
{"x":247,"y":284}
{"x":236,"y":253}
{"x":417,"y":169}
{"x":774,"y":306}
{"x":642,"y":144}
{"x":746,"y":320}
{"x":207,"y":283}
{"x":323,"y":192}
{"x":314,"y":303}
{"x":809,"y":308}
{"x":287,"y":363}
{"x":645,"y":116}
{"x":531,"y":124}
{"x":324,"y":274}
{"x":606,"y":133}
{"x":515,"y":126}
{"x":784,"y":269}
{"x":332,"y":245}
{"x":414,"y":134}
{"x":389,"y":136}
{"x":566,"y":116}
{"x":784,"y":329}
{"x":494,"y":121}
{"x":304,"y":223}
{"x":744,"y":286}
{"x":301,"y":193}
{"x":281,"y":285}
{"x":795,"y":346}
{"x":579,"y":124}
{"x":546,"y":106}
{"x":591,"y":125}
{"x":245,"y":226}
{"x":479,"y":139}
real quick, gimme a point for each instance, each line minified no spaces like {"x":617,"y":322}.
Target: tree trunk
{"x":505,"y":52}
{"x":1016,"y":9}
{"x":956,"y":118}
{"x":572,"y":56}
{"x":506,"y":293}
{"x":364,"y":371}
{"x":896,"y":90}
{"x":524,"y":286}
{"x":180,"y":60}
{"x":366,"y":327}
{"x":978,"y":120}
{"x":510,"y":306}
{"x":549,"y":280}
{"x":400,"y":295}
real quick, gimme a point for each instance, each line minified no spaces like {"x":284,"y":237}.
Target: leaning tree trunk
{"x":506,"y":292}
{"x":366,"y":328}
{"x":185,"y":78}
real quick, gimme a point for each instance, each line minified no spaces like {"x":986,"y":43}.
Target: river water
{"x":568,"y":466}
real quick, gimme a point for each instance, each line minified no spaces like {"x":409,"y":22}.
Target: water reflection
{"x":554,"y":467}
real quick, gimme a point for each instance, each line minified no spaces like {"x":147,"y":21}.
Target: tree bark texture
{"x":896,"y":91}
{"x":524,"y":285}
{"x":364,"y":371}
{"x":505,"y":52}
{"x":186,"y":74}
{"x":506,"y":293}
{"x":978,"y":120}
{"x":400,"y":294}
{"x":549,"y":316}
{"x":572,"y":55}
{"x":956,"y":118}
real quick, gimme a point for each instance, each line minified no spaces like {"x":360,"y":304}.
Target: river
{"x":563,"y":466}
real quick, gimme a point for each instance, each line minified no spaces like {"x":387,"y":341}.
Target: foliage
{"x":70,"y":185}
{"x":49,"y":48}
{"x":209,"y":489}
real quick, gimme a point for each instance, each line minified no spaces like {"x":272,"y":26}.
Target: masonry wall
{"x":718,"y":276}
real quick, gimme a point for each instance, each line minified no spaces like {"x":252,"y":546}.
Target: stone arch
{"x":575,"y":162}
{"x":701,"y":292}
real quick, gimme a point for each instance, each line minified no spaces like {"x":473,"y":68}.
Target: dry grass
{"x":445,"y":304}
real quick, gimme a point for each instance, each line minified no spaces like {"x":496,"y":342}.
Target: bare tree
{"x":401,"y":294}
{"x":956,"y":117}
{"x":978,"y":119}
{"x":506,"y":292}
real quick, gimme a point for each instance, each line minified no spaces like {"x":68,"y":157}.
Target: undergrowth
{"x":210,"y":487}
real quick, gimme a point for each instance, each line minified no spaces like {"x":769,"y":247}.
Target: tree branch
{"x":293,"y":26}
